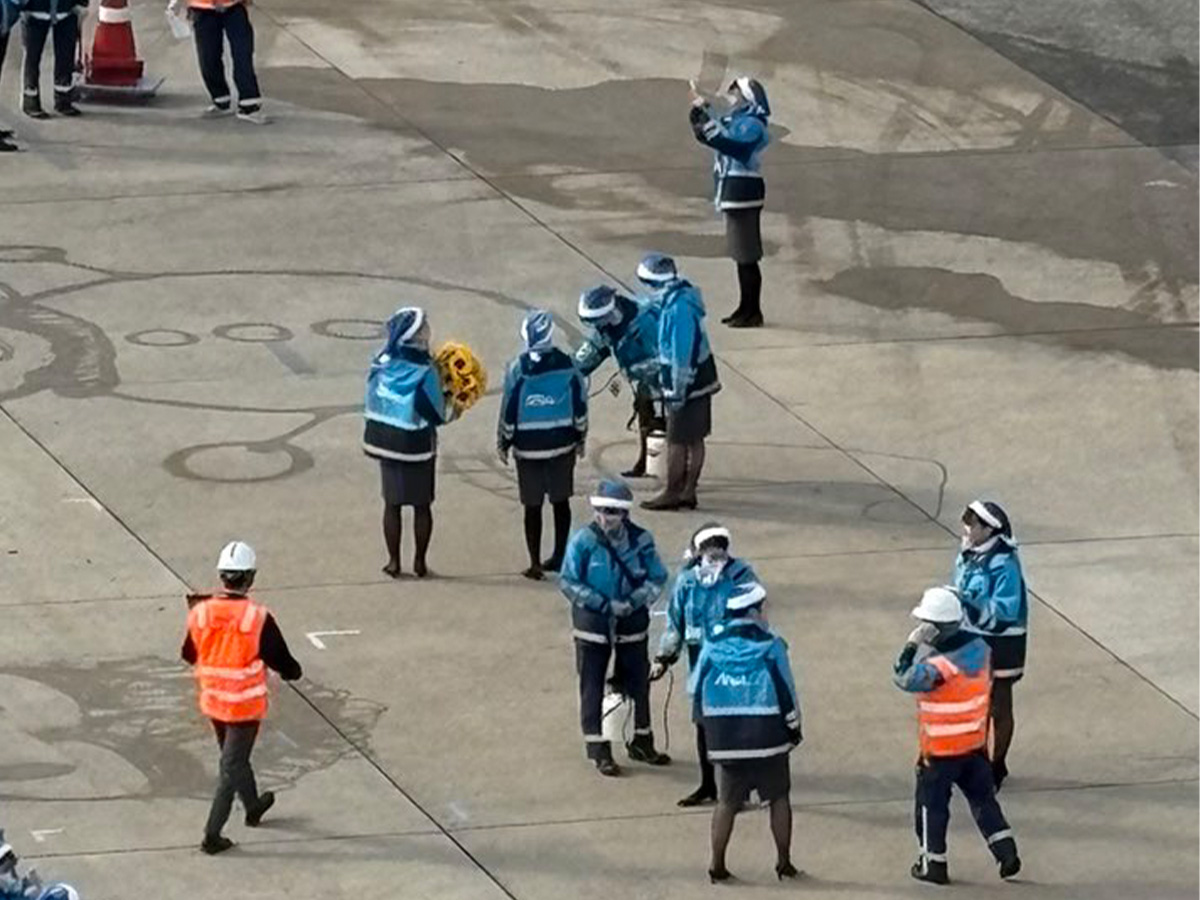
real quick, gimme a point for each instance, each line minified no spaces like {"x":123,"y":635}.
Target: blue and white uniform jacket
{"x":694,"y":609}
{"x":738,"y":140}
{"x":543,"y":412}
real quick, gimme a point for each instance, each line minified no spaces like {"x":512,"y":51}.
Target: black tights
{"x":533,"y":531}
{"x":393,"y":529}
{"x":750,"y":286}
{"x":722,"y":830}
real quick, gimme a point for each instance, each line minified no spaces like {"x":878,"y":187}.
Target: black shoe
{"x":7,"y":146}
{"x":553,"y":564}
{"x":999,"y":773}
{"x":689,"y":503}
{"x":214,"y":845}
{"x":931,"y":872}
{"x":638,"y":471}
{"x":265,"y":801}
{"x":751,"y":320}
{"x":699,"y":797}
{"x":7,"y":134}
{"x":663,"y":501}
{"x":34,"y":110}
{"x":736,"y":314}
{"x":534,"y":573}
{"x":718,"y":875}
{"x":1010,"y":866}
{"x":786,"y":870}
{"x":608,"y":767}
{"x":70,"y":110}
{"x":641,"y":749}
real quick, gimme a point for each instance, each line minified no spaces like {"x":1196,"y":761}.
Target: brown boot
{"x":677,"y":467}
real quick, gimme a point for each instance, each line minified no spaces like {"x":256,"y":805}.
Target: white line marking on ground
{"x":314,"y":637}
{"x":92,"y":501}
{"x":40,"y":834}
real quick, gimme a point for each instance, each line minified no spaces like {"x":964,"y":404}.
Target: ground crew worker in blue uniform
{"x":738,"y":139}
{"x":611,"y":576}
{"x":992,"y":588}
{"x":543,"y":421}
{"x":709,"y":577}
{"x":745,"y":696}
{"x":405,"y":403}
{"x":232,"y":641}
{"x":688,"y":376}
{"x":627,"y":330}
{"x":40,"y":20}
{"x":949,"y":670}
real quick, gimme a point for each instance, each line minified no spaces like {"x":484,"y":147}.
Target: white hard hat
{"x":237,"y":557}
{"x":939,"y":604}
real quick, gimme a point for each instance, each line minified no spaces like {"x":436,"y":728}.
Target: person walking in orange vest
{"x":950,"y":671}
{"x":232,"y":641}
{"x":214,"y":22}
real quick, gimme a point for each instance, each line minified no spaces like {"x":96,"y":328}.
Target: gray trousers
{"x":236,"y":741}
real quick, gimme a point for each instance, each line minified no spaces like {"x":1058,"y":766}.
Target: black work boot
{"x":64,"y":103}
{"x":701,"y":795}
{"x":214,"y":845}
{"x":1005,"y":851}
{"x":641,"y":749}
{"x":931,"y":871}
{"x":31,"y":105}
{"x":265,"y":801}
{"x":601,"y":755}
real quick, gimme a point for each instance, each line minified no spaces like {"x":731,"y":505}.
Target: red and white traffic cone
{"x":113,"y":70}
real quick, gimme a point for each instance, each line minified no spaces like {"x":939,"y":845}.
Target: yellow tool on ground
{"x":463,"y":375}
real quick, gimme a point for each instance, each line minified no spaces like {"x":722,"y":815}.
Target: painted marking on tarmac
{"x":40,"y":834}
{"x":287,"y":740}
{"x":91,"y":501}
{"x":314,"y":637}
{"x":460,"y":815}
{"x":290,"y":358}
{"x":1161,"y":182}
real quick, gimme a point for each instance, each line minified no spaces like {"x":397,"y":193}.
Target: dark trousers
{"x":212,"y":28}
{"x":936,"y":777}
{"x":66,"y":35}
{"x":236,"y":776}
{"x":631,"y":677}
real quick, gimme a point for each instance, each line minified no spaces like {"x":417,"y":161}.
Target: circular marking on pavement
{"x":162,"y":337}
{"x":253,"y":332}
{"x":239,"y":462}
{"x":350,"y":329}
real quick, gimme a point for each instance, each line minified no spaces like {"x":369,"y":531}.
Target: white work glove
{"x":658,"y":670}
{"x":923,"y":634}
{"x":502,"y":455}
{"x":620,"y":609}
{"x":173,"y":7}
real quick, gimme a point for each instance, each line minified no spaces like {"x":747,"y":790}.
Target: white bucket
{"x":656,"y":455}
{"x":181,"y":28}
{"x":614,"y":712}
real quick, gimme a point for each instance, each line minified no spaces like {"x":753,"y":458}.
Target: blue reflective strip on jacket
{"x":993,"y":592}
{"x":592,"y":579}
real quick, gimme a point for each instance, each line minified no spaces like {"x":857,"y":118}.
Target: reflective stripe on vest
{"x":953,"y":717}
{"x":231,"y":677}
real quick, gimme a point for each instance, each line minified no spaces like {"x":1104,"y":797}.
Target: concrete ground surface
{"x":974,"y":285}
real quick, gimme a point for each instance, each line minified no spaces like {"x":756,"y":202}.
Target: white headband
{"x":585,"y":313}
{"x":610,"y":503}
{"x":707,"y":534}
{"x":646,"y":275}
{"x":985,"y":514}
{"x":418,"y":321}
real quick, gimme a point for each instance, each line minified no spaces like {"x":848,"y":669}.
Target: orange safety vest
{"x":953,"y":717}
{"x":232,"y":679}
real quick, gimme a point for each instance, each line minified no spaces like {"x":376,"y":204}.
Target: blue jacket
{"x":993,"y":591}
{"x":744,"y":694}
{"x":687,"y":367}
{"x":592,"y":579}
{"x":543,"y":413}
{"x":967,"y":651}
{"x":404,"y":405}
{"x":738,"y":140}
{"x":694,"y":609}
{"x":633,"y":344}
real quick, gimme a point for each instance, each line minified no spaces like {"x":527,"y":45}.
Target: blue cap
{"x":655,"y":269}
{"x":597,"y":302}
{"x":403,"y":326}
{"x":538,"y":330}
{"x":612,"y":494}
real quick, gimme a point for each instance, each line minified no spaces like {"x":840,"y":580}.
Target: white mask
{"x":709,"y":569}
